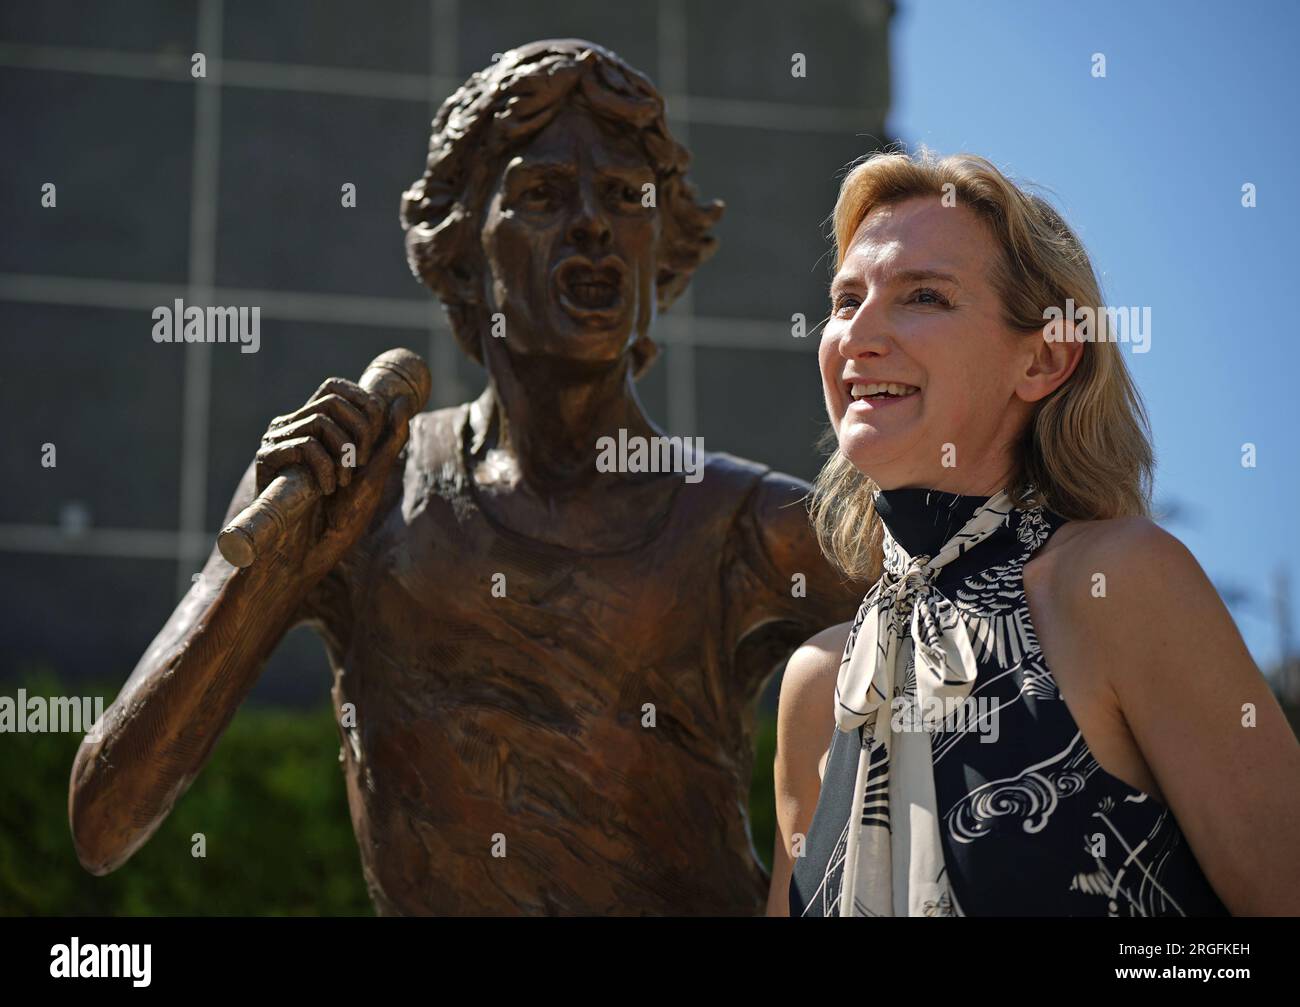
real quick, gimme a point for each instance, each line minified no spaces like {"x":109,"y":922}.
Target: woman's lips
{"x":870,"y":405}
{"x":884,"y":395}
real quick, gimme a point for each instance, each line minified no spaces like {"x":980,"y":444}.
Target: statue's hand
{"x":346,"y":441}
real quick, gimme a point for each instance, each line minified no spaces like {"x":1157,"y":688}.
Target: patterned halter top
{"x":1029,"y":822}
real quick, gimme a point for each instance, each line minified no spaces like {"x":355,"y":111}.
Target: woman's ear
{"x":1053,"y":354}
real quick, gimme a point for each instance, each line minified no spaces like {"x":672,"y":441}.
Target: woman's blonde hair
{"x":1086,"y":451}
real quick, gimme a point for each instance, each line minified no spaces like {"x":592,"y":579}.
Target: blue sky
{"x":1148,"y":164}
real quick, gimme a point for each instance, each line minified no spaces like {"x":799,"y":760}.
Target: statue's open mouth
{"x":589,"y":290}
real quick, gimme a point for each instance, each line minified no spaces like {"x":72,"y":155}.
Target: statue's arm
{"x":786,"y":589}
{"x":161,"y":729}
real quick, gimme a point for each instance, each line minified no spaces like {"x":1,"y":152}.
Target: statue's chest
{"x":441,"y":592}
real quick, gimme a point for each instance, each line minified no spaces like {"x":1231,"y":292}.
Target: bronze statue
{"x":545,"y":674}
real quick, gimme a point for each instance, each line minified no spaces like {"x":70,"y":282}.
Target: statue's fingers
{"x":399,"y":427}
{"x":300,"y":451}
{"x":344,"y":413}
{"x":367,"y":403}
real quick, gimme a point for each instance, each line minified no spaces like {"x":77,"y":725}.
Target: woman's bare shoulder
{"x":815,"y":661}
{"x":1121,"y":583}
{"x":806,"y":708}
{"x":1126,"y":552}
{"x":1117,"y":533}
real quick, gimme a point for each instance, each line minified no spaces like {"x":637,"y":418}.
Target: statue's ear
{"x":442,"y":249}
{"x":462,"y":274}
{"x":458,"y":241}
{"x":445,"y":257}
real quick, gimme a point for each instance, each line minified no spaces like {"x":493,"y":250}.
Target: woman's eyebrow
{"x":914,"y":275}
{"x":843,"y":280}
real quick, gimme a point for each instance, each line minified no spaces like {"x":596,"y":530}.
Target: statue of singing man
{"x":545,"y":672}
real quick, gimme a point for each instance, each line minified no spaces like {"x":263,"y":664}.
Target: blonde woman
{"x":1042,"y":706}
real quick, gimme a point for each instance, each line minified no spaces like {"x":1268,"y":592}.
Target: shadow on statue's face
{"x":569,"y":245}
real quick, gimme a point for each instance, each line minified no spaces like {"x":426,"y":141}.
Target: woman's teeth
{"x":861,"y":391}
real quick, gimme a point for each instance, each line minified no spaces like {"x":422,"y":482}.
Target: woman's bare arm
{"x":1214,"y":737}
{"x":805,"y":725}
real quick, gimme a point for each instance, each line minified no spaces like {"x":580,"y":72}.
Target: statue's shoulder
{"x":436,"y":436}
{"x":748,"y":484}
{"x":726,"y":469}
{"x":431,"y":456}
{"x":771,"y":505}
{"x":752,"y":478}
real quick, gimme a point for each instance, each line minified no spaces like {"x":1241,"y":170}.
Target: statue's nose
{"x":589,"y":225}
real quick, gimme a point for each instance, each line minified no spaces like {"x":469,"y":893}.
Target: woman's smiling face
{"x":914,"y":309}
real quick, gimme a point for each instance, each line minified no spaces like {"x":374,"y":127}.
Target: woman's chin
{"x":868,"y":452}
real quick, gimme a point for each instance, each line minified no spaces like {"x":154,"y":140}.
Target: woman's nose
{"x":866,"y":333}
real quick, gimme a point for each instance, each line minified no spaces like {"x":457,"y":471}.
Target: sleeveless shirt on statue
{"x":1029,"y":823}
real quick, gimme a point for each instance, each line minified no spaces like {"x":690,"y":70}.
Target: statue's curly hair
{"x":493,"y":114}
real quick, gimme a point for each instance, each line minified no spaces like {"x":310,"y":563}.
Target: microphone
{"x":257,"y":528}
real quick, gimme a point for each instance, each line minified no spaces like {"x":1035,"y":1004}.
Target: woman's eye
{"x":538,"y":193}
{"x":845,"y":307}
{"x":930,"y":292}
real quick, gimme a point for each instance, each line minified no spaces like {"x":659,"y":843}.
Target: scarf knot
{"x":912,"y":588}
{"x":905,"y":624}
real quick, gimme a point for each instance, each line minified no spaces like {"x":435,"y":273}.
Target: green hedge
{"x":271,"y":805}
